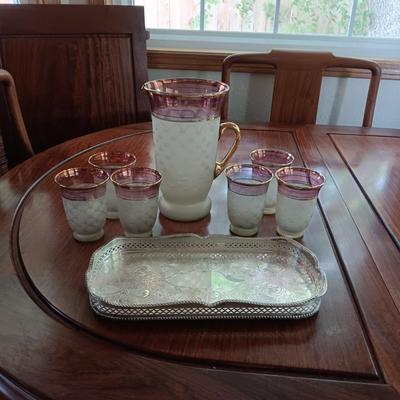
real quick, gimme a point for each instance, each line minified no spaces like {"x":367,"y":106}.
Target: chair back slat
{"x":298,"y":78}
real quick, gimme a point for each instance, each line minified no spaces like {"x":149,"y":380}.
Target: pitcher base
{"x":185,"y":212}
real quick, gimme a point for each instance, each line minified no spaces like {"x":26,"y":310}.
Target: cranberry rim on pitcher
{"x":222,"y":88}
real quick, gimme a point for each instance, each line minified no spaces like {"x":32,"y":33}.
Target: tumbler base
{"x":145,"y":234}
{"x":112,"y":215}
{"x":88,"y":238}
{"x":242,"y":231}
{"x":269,"y":210}
{"x":290,"y":235}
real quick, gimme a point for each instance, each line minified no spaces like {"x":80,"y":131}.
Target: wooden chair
{"x":78,"y":69}
{"x":298,"y":77}
{"x":14,"y":111}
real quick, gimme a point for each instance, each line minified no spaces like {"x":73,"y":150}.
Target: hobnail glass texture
{"x":247,"y":187}
{"x":110,"y":161}
{"x":83,"y":193}
{"x":137,"y":198}
{"x":273,"y":159}
{"x":186,"y":129}
{"x":298,"y":190}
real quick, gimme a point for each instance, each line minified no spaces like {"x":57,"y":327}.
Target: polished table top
{"x":375,"y":163}
{"x":53,"y":346}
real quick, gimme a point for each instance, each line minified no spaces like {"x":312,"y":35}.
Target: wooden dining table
{"x":53,"y":346}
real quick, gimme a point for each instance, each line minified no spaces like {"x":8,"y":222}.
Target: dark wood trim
{"x":212,"y":61}
{"x":367,"y":271}
{"x":11,"y":389}
{"x":389,"y":229}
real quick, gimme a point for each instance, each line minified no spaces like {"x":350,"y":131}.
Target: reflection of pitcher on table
{"x":186,"y":117}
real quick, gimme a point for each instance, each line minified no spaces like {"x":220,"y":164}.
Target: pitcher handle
{"x":220,"y":165}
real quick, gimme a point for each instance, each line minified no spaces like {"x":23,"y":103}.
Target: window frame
{"x":350,"y":46}
{"x":230,"y":41}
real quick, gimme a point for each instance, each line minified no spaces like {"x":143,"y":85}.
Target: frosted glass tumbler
{"x":298,"y":190}
{"x":247,"y":186}
{"x":272,"y":159}
{"x":110,"y":161}
{"x":137,"y":192}
{"x":83,"y":192}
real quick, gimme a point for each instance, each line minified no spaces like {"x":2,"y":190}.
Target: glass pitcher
{"x":186,"y":116}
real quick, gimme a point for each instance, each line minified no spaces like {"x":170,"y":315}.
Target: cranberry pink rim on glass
{"x":112,"y":160}
{"x":79,"y":183}
{"x":272,"y":158}
{"x":299,"y":183}
{"x":248,"y":179}
{"x":136,"y":183}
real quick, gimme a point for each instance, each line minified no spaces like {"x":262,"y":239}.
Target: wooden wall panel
{"x":89,"y":87}
{"x":77,"y":69}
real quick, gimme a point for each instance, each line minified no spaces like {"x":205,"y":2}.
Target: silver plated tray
{"x":193,"y":277}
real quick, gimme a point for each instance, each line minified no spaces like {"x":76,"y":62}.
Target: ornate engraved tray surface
{"x":193,"y":277}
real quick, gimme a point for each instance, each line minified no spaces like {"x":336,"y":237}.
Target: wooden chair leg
{"x":15,"y":109}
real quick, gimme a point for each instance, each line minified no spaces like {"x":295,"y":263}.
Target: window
{"x":364,"y":18}
{"x":357,"y":28}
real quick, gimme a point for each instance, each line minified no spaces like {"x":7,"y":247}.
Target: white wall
{"x":341,"y":102}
